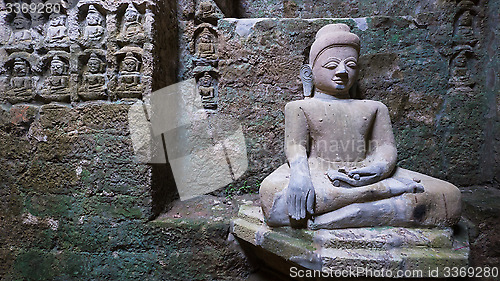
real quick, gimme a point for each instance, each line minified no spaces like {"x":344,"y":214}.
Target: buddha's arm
{"x":382,"y":152}
{"x":300,"y":191}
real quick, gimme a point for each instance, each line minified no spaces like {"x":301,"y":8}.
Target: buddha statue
{"x":93,"y":31}
{"x":341,"y":152}
{"x":207,"y":91}
{"x":57,"y":33}
{"x":20,"y":82}
{"x":93,"y":80}
{"x":129,"y":80}
{"x":132,"y":30}
{"x":20,"y":37}
{"x":56,"y":84}
{"x":205,"y":45}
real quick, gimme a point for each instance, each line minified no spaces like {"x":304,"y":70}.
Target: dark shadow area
{"x":166,"y":55}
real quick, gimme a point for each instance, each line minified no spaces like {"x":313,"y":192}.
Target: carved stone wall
{"x":199,"y":46}
{"x":88,"y":50}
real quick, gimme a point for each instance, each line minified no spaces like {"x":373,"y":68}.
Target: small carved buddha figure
{"x":459,"y":71}
{"x":93,"y":82}
{"x":56,"y":84}
{"x":20,"y":82}
{"x":57,"y":33}
{"x":465,"y":31}
{"x":341,"y":152}
{"x":132,"y":30}
{"x":129,"y":77}
{"x":207,"y":90}
{"x":93,"y":31}
{"x":21,"y":33}
{"x":206,"y":10}
{"x":206,"y":45}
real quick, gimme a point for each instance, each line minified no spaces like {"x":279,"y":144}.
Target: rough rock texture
{"x":480,"y":205}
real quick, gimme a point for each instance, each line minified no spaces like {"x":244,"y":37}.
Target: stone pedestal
{"x":354,"y":252}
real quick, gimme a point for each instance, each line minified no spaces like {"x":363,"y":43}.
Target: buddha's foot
{"x":406,"y":186}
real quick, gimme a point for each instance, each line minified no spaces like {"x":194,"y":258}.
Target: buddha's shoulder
{"x":372,"y":104}
{"x":300,"y":104}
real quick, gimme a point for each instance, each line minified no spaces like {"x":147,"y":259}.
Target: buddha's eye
{"x":351,"y":64}
{"x":331,"y":65}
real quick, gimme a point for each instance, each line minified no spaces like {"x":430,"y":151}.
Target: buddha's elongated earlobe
{"x":307,"y":80}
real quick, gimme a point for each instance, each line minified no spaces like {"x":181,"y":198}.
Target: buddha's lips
{"x":339,"y":81}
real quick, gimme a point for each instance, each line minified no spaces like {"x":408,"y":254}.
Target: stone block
{"x":377,"y":248}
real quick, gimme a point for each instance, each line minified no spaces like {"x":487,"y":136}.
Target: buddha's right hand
{"x":300,"y":197}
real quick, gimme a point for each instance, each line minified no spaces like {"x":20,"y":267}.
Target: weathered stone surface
{"x":388,"y":248}
{"x":336,"y":8}
{"x":482,"y":210}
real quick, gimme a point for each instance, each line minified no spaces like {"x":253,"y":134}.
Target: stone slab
{"x":376,"y":248}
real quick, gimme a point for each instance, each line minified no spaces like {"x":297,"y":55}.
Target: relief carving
{"x":20,"y":81}
{"x":129,"y":77}
{"x":207,"y":11}
{"x":93,"y":81}
{"x":132,"y":30}
{"x":56,"y":84}
{"x":93,"y":32}
{"x":205,"y":45}
{"x":57,"y":32}
{"x":206,"y":89}
{"x":20,"y":38}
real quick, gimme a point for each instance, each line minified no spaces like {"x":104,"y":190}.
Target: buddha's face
{"x":129,"y":65}
{"x":335,"y":70}
{"x":20,"y":69}
{"x":57,"y":68}
{"x":93,"y":19}
{"x":57,"y":21}
{"x":94,"y":66}
{"x":20,"y":23}
{"x":131,"y":16}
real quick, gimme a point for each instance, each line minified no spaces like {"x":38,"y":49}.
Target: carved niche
{"x":93,"y":79}
{"x":57,"y":32}
{"x":127,"y":83}
{"x":93,"y":33}
{"x":207,"y":89}
{"x":131,"y":31}
{"x":55,"y":86}
{"x":206,"y":44}
{"x":20,"y":85}
{"x":20,"y":39}
{"x":207,"y":11}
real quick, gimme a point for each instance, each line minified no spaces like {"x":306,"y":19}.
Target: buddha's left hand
{"x":358,"y":177}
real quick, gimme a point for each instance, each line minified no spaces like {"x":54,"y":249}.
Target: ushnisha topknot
{"x":331,"y":35}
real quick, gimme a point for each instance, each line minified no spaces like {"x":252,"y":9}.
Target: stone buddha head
{"x":94,"y":64}
{"x":131,"y":14}
{"x":57,"y":19}
{"x":130,"y":63}
{"x":20,"y":67}
{"x":206,"y":80}
{"x":57,"y":66}
{"x":334,"y":59}
{"x":20,"y":22}
{"x":94,"y":17}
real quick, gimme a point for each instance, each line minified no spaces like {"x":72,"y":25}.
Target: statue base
{"x":353,"y":252}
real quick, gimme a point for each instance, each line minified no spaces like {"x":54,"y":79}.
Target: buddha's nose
{"x":341,"y":70}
